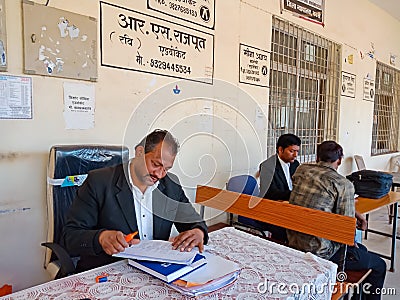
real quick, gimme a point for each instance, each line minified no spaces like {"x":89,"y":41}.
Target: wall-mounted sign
{"x":135,"y":41}
{"x":312,"y":10}
{"x":348,"y":85}
{"x":254,"y":65}
{"x":369,"y":89}
{"x":201,"y":12}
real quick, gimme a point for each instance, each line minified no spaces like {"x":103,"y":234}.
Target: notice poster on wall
{"x":348,"y":85}
{"x":254,"y":65}
{"x":369,"y":89}
{"x":135,"y":41}
{"x":15,"y":97}
{"x":200,"y":12}
{"x":79,"y":105}
{"x":312,"y":10}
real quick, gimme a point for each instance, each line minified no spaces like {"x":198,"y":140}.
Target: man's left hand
{"x":189,"y":239}
{"x":361,"y":221}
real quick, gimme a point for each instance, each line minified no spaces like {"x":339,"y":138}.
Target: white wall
{"x":235,"y":142}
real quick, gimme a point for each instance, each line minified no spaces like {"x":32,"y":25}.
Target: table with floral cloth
{"x":268,"y":271}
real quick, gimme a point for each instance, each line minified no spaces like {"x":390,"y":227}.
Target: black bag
{"x":370,"y":183}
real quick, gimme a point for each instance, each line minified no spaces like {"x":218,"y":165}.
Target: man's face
{"x":153,"y":165}
{"x":289,"y":154}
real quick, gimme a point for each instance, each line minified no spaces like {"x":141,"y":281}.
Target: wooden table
{"x":368,"y":205}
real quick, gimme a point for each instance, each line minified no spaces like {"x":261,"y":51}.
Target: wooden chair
{"x":326,"y":225}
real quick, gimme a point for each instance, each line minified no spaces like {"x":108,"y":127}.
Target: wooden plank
{"x":367,"y":205}
{"x":331,"y":226}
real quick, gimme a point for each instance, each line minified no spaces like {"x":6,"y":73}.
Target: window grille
{"x":304,"y":87}
{"x":385,"y":129}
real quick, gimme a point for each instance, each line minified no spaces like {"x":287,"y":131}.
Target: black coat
{"x":273,"y":184}
{"x":105,"y":202}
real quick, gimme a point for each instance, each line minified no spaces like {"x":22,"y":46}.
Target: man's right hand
{"x":113,"y":241}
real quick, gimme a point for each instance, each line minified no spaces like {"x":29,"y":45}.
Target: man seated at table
{"x":276,"y":178}
{"x":137,"y":196}
{"x":320,"y":186}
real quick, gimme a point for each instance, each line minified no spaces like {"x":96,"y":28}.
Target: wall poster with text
{"x":135,"y":41}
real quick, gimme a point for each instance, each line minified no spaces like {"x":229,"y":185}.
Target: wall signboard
{"x":348,"y":85}
{"x":135,"y":41}
{"x":200,"y":12}
{"x":311,"y":10}
{"x":254,"y":65}
{"x":369,"y":89}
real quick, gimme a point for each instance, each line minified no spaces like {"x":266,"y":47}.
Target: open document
{"x":157,"y":250}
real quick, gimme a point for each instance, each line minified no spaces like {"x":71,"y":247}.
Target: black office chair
{"x":245,"y":184}
{"x":67,"y":169}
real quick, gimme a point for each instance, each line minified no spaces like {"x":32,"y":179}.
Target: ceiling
{"x":390,"y":6}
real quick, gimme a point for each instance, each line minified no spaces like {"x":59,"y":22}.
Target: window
{"x":385,"y":129}
{"x":304,"y":93}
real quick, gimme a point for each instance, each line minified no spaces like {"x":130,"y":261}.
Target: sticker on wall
{"x":369,"y":89}
{"x":392,"y":59}
{"x":348,"y":85}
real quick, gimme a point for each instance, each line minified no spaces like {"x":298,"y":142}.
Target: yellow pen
{"x":130,"y":236}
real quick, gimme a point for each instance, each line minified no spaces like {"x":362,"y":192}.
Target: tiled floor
{"x":379,"y":220}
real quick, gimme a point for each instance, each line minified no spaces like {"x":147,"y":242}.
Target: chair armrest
{"x":67,"y":266}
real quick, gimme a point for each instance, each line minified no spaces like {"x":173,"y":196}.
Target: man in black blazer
{"x":137,"y":196}
{"x":275,"y":181}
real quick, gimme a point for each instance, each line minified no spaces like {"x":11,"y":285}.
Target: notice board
{"x":59,"y":43}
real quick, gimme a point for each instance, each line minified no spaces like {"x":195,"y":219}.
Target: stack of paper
{"x":156,"y":250}
{"x":167,"y":271}
{"x":216,"y":274}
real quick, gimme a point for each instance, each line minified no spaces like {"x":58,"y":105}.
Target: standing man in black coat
{"x":137,"y":196}
{"x":276,"y":176}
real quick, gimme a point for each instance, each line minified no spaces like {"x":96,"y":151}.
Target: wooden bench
{"x":326,"y":225}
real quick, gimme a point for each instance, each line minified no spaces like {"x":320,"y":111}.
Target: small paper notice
{"x":79,"y":105}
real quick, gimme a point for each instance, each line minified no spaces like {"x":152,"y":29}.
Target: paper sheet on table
{"x":156,"y":250}
{"x":216,"y":267}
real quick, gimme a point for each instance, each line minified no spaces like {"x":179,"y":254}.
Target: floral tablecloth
{"x":269,"y":271}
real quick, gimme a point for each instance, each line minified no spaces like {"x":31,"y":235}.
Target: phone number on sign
{"x":154,"y":63}
{"x":183,"y":9}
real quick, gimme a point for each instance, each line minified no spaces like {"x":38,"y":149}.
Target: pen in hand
{"x":130,"y":236}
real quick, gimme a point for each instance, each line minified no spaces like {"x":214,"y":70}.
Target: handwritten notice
{"x":254,"y":66}
{"x":79,"y":105}
{"x":369,"y":89}
{"x":135,"y":41}
{"x":201,"y":12}
{"x":312,"y":10}
{"x":348,"y":85}
{"x":15,"y":97}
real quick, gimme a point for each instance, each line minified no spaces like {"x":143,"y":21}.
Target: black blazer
{"x":273,"y":184}
{"x":105,"y":202}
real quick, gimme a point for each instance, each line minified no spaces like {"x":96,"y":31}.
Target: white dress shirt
{"x":285,"y":167}
{"x":143,"y":208}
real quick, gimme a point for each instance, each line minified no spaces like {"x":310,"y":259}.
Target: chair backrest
{"x":244,"y":184}
{"x":65,"y":163}
{"x":359,"y":162}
